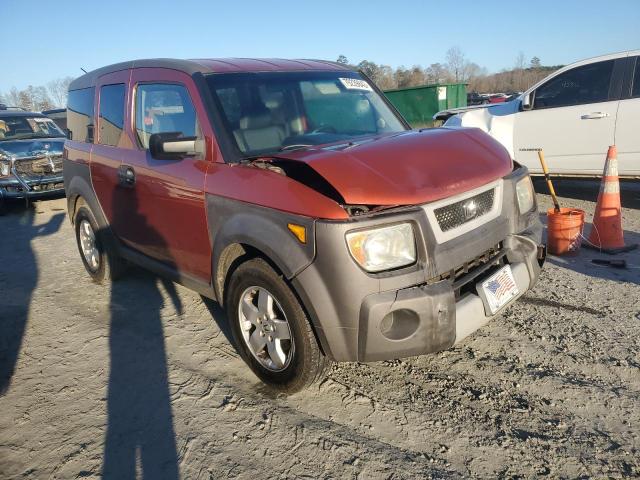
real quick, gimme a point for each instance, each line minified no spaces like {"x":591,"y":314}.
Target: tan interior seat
{"x":258,"y":132}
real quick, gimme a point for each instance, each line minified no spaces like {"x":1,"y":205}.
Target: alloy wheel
{"x":265,"y":329}
{"x":88,"y":245}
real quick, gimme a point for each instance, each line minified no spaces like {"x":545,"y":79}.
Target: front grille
{"x":459,"y":213}
{"x":37,"y":167}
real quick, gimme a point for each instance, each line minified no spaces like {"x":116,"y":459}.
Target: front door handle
{"x":594,"y":115}
{"x":126,"y":176}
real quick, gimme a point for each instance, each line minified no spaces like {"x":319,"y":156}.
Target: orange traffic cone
{"x":606,"y":233}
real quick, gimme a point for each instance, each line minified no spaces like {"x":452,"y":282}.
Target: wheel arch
{"x":240,"y":229}
{"x":235,"y":254}
{"x":78,"y":186}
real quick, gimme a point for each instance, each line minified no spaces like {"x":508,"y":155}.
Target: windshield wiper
{"x":296,"y":146}
{"x":30,"y":136}
{"x":252,"y":158}
{"x":47,"y":135}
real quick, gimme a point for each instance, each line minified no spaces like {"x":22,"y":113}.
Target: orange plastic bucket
{"x":564,"y":230}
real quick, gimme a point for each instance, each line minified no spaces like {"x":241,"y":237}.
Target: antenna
{"x":83,"y":70}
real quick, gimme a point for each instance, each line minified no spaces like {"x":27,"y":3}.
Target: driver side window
{"x":578,"y":86}
{"x":162,"y":108}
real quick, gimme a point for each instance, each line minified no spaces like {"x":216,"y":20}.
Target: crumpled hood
{"x":31,"y":147}
{"x":409,"y":168}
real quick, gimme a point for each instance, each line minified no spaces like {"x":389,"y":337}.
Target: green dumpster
{"x":419,"y":104}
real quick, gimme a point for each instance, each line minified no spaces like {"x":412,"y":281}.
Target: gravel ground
{"x":140,"y":379}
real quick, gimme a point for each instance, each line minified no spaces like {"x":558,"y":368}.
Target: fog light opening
{"x":399,"y":324}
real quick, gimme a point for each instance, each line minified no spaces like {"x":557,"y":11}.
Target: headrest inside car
{"x":257,"y":120}
{"x":272,"y":100}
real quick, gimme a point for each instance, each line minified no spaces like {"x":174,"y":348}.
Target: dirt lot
{"x":141,"y":380}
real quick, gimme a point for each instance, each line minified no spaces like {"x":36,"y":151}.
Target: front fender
{"x":265,"y":229}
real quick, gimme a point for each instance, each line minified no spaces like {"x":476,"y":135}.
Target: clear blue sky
{"x":43,"y":40}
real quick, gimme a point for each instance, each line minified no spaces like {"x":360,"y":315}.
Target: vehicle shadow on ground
{"x":219,"y":315}
{"x":587,"y":189}
{"x":140,"y":438}
{"x":18,"y":281}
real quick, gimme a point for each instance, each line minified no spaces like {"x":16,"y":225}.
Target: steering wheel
{"x":324,"y":129}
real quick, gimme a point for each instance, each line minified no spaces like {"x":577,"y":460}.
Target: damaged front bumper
{"x":29,"y":184}
{"x":18,"y":188}
{"x":425,"y":308}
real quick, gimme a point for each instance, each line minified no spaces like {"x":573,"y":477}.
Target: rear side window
{"x":80,"y":114}
{"x":635,"y":92}
{"x":111,"y":114}
{"x":164,"y":107}
{"x":578,"y":86}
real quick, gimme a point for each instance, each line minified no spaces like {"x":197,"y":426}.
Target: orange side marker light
{"x":299,"y":231}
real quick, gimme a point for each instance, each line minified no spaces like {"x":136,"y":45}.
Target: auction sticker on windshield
{"x":355,"y":84}
{"x":500,"y":288}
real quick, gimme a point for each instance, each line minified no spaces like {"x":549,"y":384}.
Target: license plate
{"x":500,"y":288}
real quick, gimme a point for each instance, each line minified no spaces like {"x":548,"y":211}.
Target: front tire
{"x":271,"y":329}
{"x":100,"y":262}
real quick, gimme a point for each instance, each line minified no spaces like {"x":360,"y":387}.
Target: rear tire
{"x":278,"y":328}
{"x":101,"y":262}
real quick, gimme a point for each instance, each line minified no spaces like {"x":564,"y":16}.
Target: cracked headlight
{"x":5,"y":166}
{"x":383,"y":248}
{"x":524,"y":192}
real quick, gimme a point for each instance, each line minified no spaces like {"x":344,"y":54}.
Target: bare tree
{"x":455,"y":63}
{"x":518,"y":80}
{"x":34,"y":98}
{"x":437,"y":73}
{"x":58,"y":89}
{"x":386,"y":79}
{"x":381,"y":75}
{"x":12,"y":97}
{"x":473,"y":70}
{"x":458,"y":69}
{"x":409,"y":77}
{"x":370,"y":69}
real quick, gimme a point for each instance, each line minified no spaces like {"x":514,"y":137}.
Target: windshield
{"x":21,"y":127}
{"x":270,"y":112}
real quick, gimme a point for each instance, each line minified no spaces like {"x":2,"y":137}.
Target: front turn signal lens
{"x":298,"y":231}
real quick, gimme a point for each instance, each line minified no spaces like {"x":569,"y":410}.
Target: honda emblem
{"x":470,"y":209}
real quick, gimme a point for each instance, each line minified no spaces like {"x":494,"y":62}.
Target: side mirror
{"x":172,"y":146}
{"x":527,"y":101}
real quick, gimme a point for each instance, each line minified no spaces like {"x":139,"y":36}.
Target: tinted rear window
{"x":80,"y":114}
{"x":636,"y":80}
{"x":111,"y":113}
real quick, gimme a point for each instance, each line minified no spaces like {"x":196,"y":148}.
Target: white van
{"x":573,"y":115}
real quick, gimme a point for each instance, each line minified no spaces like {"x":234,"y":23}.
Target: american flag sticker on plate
{"x":500,"y":288}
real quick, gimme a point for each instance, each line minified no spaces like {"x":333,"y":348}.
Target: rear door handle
{"x":594,"y":115}
{"x":126,"y":176}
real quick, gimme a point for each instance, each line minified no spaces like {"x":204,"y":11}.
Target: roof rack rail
{"x":8,"y":107}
